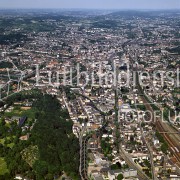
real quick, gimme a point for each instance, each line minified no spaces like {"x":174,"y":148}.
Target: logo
{"x":10,"y":79}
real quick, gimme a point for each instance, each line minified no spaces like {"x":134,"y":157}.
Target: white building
{"x":130,"y":173}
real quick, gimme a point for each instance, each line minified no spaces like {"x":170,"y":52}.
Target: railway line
{"x":173,"y":145}
{"x":83,"y":158}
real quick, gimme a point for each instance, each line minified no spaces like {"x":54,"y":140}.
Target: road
{"x":82,"y":143}
{"x":144,"y":139}
{"x":125,"y":155}
{"x":132,"y":164}
{"x":149,"y":149}
{"x":150,"y":154}
{"x":171,"y":136}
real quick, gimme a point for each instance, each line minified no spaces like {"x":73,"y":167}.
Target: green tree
{"x":120,"y":177}
{"x":40,"y":167}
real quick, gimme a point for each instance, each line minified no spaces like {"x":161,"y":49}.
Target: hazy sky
{"x":98,"y":4}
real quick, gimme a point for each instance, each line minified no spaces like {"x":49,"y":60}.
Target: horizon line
{"x":53,"y":8}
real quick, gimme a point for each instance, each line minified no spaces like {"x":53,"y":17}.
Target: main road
{"x":132,"y":164}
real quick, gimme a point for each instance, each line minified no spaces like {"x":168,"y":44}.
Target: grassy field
{"x":3,"y":167}
{"x":30,"y":113}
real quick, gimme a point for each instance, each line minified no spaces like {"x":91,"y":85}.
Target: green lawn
{"x":3,"y":167}
{"x":10,"y":145}
{"x":30,"y":113}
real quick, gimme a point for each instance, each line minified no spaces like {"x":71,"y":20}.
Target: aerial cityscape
{"x":90,"y":93}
